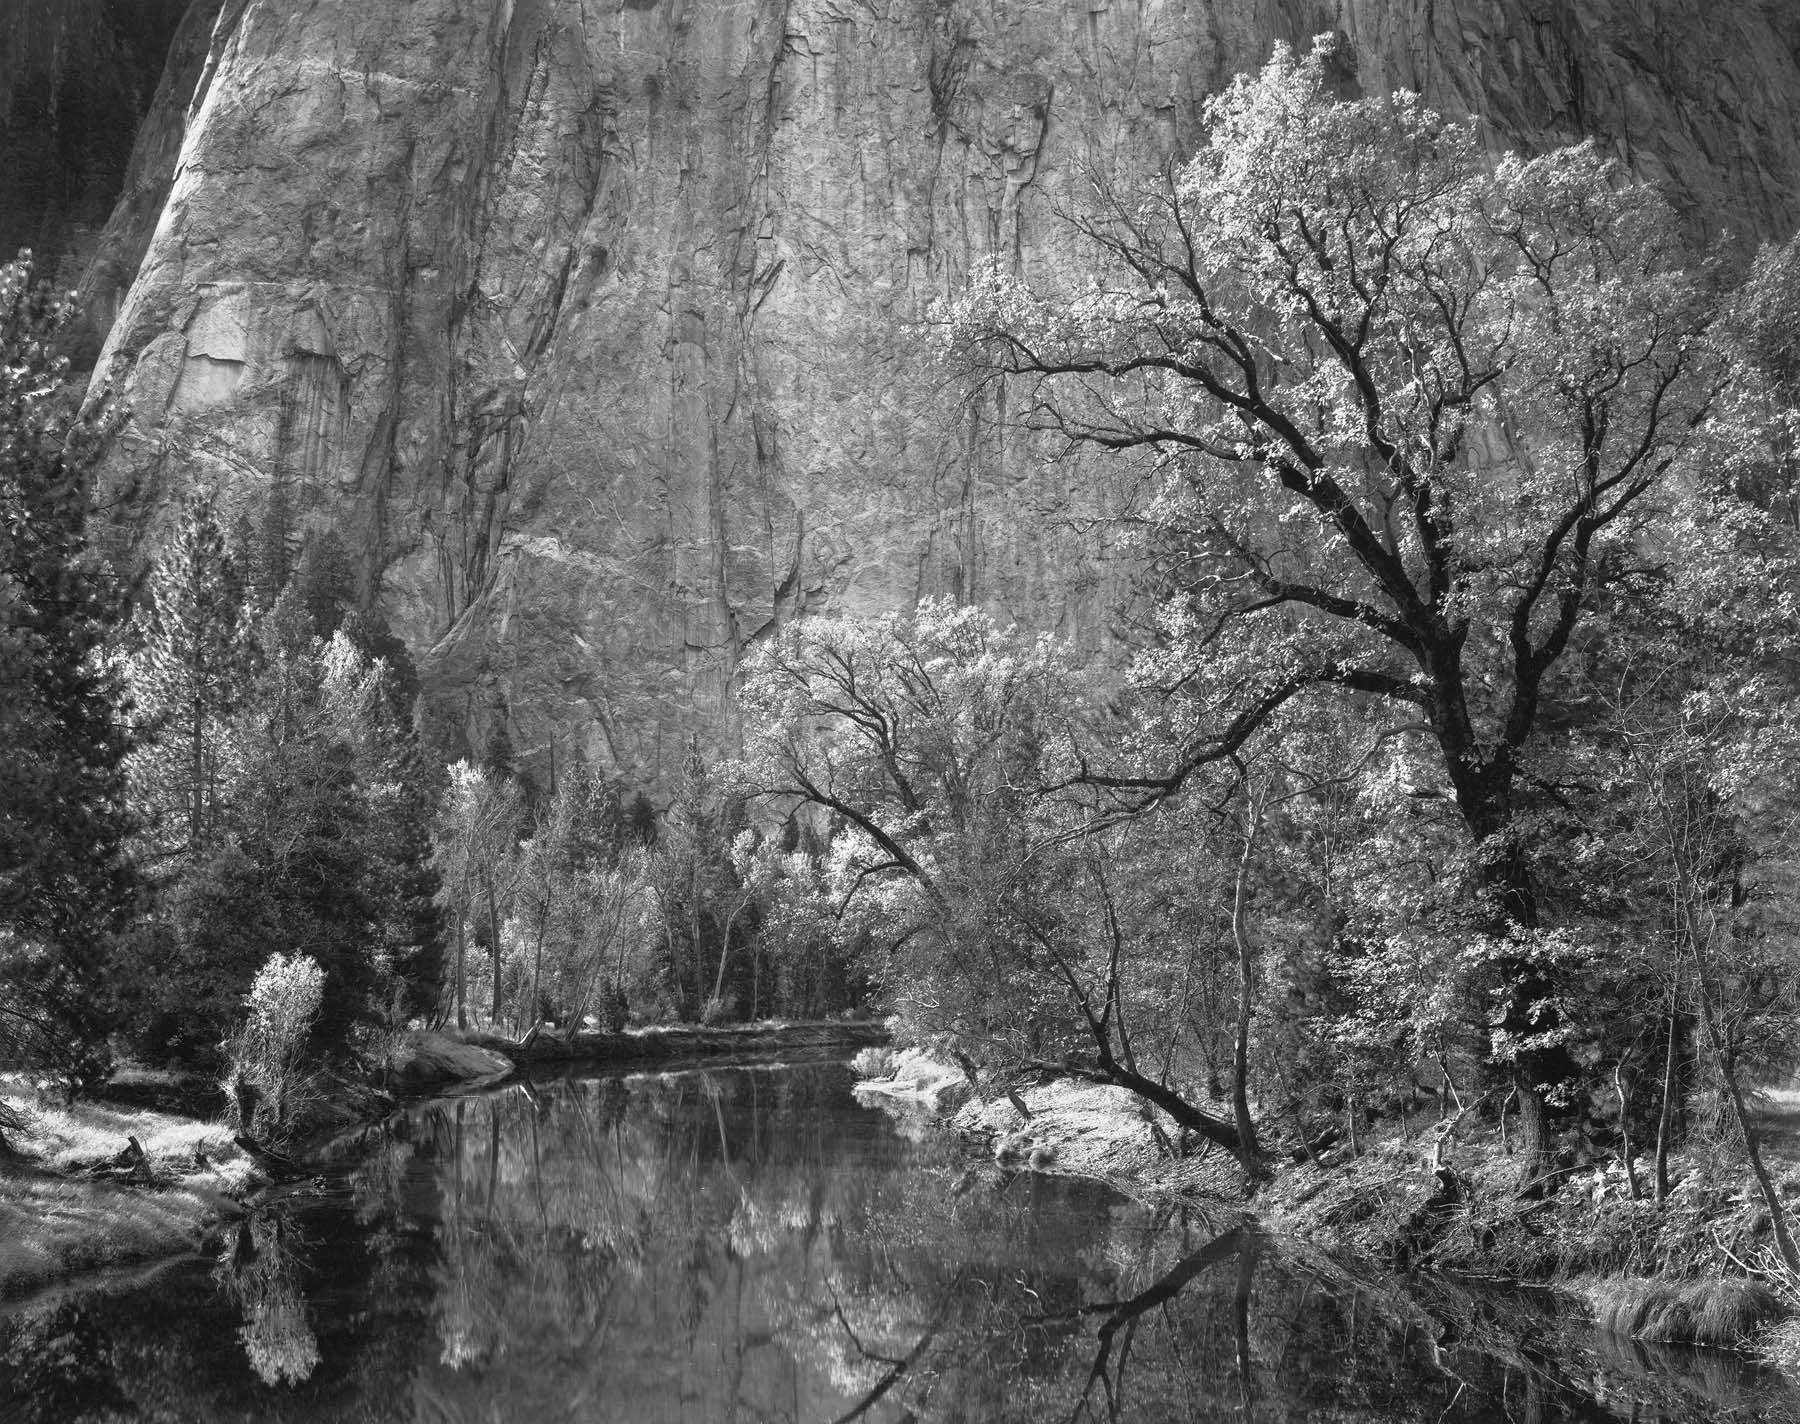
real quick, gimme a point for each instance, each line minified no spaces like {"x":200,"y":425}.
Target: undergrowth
{"x":1387,"y":1203}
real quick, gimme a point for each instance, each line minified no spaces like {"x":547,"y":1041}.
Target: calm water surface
{"x":751,"y":1245}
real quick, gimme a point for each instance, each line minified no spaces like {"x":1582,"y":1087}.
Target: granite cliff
{"x":596,"y":328}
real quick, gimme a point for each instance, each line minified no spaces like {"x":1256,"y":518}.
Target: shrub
{"x":874,"y":1063}
{"x":716,"y":1011}
{"x":610,"y":1010}
{"x":268,"y":1055}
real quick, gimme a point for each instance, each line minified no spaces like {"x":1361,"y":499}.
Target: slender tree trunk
{"x":1185,"y":1114}
{"x":197,"y":776}
{"x":537,"y":957}
{"x":494,"y":948}
{"x":1665,"y":1122}
{"x":1248,"y":1150}
{"x":725,"y":953}
{"x":1725,"y":1060}
{"x":462,"y":954}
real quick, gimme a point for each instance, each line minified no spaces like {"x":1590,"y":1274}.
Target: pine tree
{"x":65,"y":885}
{"x":189,"y":676}
{"x":364,"y":712}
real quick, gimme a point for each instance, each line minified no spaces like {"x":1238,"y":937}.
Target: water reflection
{"x":261,"y":1271}
{"x":751,"y":1245}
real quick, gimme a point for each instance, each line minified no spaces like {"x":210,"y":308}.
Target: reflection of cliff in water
{"x":750,"y":1245}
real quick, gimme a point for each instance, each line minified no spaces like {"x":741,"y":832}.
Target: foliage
{"x":189,"y":672}
{"x":1436,"y":435}
{"x":699,"y":893}
{"x":330,"y":820}
{"x":1328,"y":313}
{"x":268,"y":1054}
{"x":921,"y":736}
{"x":284,"y":804}
{"x":65,"y":884}
{"x":477,"y":826}
{"x":579,"y":915}
{"x":991,"y":901}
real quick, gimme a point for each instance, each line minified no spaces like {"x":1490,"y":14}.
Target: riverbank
{"x":675,"y":1041}
{"x":440,"y":1059}
{"x":1695,"y":1268}
{"x":77,"y":1198}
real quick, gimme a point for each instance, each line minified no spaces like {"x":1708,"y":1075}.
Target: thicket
{"x":590,"y":907}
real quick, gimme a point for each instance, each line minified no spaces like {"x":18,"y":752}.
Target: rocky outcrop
{"x":599,"y":330}
{"x":425,"y":1060}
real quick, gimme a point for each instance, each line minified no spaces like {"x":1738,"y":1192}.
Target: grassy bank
{"x":69,"y":1204}
{"x":58,"y":1218}
{"x":1698,"y":1267}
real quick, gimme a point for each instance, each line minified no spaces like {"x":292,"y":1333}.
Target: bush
{"x":268,"y":1054}
{"x":716,"y":1011}
{"x":874,"y":1063}
{"x":610,"y":1010}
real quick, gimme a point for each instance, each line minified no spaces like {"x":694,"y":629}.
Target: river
{"x":750,"y":1244}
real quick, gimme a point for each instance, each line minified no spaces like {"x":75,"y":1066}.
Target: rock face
{"x":76,"y":76}
{"x":599,"y":330}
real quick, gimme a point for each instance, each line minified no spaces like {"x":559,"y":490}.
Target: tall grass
{"x":1698,"y":1312}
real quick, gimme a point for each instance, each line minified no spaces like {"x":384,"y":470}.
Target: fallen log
{"x":278,"y":1167}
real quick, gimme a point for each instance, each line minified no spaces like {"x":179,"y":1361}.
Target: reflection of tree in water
{"x":741,"y":1245}
{"x":624,"y":1244}
{"x":262,"y":1271}
{"x":753,"y":1247}
{"x":1237,"y":1327}
{"x":168,"y":1346}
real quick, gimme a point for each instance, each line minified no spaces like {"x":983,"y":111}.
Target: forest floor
{"x":74,"y":1199}
{"x":1699,"y":1267}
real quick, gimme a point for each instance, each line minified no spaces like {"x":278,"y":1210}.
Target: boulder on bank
{"x":913,"y":1075}
{"x":432,"y":1060}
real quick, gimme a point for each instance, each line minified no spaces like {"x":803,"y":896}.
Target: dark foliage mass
{"x":284,"y":802}
{"x":66,"y":884}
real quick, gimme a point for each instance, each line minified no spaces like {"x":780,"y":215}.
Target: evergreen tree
{"x":65,"y":885}
{"x":368,"y":716}
{"x":190,"y":675}
{"x":334,"y":811}
{"x":319,"y":848}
